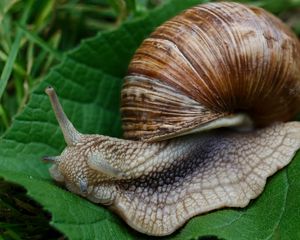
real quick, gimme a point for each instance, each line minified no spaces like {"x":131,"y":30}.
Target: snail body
{"x":215,"y":65}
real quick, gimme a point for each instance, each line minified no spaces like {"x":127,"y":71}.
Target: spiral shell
{"x":209,"y":62}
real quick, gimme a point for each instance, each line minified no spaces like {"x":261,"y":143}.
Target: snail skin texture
{"x":204,"y":108}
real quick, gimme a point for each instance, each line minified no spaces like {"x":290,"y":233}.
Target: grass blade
{"x":40,"y":42}
{"x":14,"y":51}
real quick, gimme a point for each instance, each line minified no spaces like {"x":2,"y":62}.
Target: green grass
{"x":20,"y":217}
{"x":34,"y":35}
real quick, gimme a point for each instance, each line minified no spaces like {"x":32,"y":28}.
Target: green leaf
{"x":88,"y":82}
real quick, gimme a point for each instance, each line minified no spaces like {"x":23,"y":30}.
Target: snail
{"x":205,"y":107}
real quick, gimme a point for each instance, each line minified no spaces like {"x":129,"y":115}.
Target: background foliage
{"x":35,"y":36}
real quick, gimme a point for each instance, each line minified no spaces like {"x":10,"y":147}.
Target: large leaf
{"x":88,"y":83}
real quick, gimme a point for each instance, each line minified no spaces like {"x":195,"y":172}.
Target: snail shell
{"x":210,"y":62}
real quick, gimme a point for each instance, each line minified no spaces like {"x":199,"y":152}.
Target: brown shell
{"x":211,"y":61}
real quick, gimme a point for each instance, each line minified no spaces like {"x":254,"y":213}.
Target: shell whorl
{"x":212,"y":61}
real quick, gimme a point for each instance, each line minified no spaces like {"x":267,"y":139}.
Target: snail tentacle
{"x":71,"y":135}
